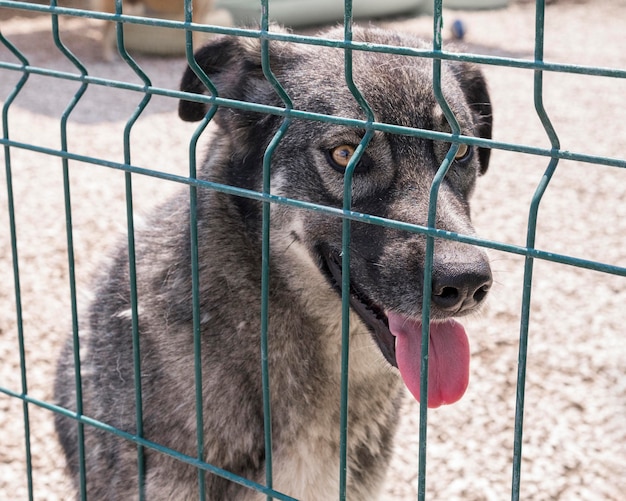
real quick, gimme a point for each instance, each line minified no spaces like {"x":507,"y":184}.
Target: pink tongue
{"x":448,"y":358}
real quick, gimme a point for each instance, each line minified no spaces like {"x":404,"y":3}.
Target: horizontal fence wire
{"x":554,"y":154}
{"x":314,"y":40}
{"x":331,"y":211}
{"x":85,"y":420}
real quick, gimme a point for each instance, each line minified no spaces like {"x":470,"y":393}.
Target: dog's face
{"x":392,"y":179}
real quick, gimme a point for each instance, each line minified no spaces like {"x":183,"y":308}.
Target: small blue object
{"x":458,"y":29}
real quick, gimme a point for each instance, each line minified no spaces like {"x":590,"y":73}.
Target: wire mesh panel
{"x":75,"y":160}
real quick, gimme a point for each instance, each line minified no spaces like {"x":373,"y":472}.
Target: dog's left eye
{"x":339,"y":157}
{"x":464,"y":153}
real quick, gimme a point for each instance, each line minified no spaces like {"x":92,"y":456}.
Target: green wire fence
{"x":437,"y":54}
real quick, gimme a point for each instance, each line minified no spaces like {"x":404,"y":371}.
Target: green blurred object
{"x":307,"y":12}
{"x":475,"y":4}
{"x":159,"y":40}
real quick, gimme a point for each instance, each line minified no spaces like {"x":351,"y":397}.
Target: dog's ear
{"x":474,"y":88}
{"x":234,"y":67}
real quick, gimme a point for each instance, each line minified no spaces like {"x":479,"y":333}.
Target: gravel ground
{"x":575,"y":420}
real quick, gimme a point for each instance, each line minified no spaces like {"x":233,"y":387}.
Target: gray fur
{"x":305,"y":308}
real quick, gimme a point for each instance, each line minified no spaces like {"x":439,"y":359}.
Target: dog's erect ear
{"x":232,"y":64}
{"x":474,"y":88}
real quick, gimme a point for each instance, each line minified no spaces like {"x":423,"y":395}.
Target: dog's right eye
{"x":339,"y":157}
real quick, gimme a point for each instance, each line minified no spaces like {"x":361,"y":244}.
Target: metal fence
{"x":80,"y":74}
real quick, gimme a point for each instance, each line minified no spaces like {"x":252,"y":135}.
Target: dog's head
{"x":391,"y":180}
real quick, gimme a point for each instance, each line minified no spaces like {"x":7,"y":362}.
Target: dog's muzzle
{"x":399,"y":337}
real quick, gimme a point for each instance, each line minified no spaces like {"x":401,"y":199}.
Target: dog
{"x":391,"y":180}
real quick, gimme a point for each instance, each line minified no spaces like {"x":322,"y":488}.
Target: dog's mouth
{"x":372,"y":315}
{"x":399,"y":339}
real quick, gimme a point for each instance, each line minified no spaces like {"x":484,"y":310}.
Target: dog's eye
{"x":464,"y":153}
{"x":340,"y":156}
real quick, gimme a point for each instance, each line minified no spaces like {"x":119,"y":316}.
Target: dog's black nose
{"x":460,"y":287}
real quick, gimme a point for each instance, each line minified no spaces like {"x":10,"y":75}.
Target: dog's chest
{"x":309,"y":470}
{"x":306,"y":452}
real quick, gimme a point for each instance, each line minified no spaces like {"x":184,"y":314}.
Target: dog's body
{"x":391,"y":180}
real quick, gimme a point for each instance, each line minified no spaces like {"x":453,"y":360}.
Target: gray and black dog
{"x":392,"y":180}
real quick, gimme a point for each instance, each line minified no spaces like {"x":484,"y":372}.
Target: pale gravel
{"x":575,"y":421}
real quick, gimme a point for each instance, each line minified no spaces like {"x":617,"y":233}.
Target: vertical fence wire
{"x":132,"y":262}
{"x":345,"y":254}
{"x":430,"y":247}
{"x":265,"y":246}
{"x":195,"y":297}
{"x":193,"y":236}
{"x":82,"y":479}
{"x":15,"y":258}
{"x":195,"y":266}
{"x":529,"y":260}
